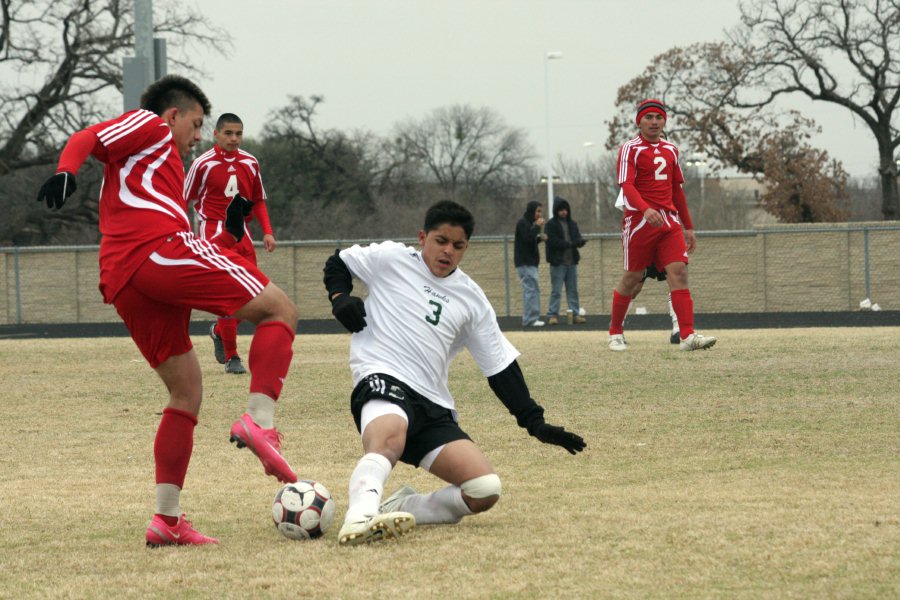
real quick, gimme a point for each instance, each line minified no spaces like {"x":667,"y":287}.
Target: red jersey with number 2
{"x":653,"y":169}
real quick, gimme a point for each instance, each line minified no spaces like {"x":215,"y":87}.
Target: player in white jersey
{"x":420,"y":312}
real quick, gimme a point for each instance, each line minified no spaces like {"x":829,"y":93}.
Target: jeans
{"x":531,"y":294}
{"x":560,"y":274}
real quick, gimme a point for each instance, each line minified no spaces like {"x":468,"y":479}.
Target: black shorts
{"x":430,"y":425}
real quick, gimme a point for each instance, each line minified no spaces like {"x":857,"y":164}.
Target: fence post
{"x":866,"y":259}
{"x":506,"y":272}
{"x":18,"y":287}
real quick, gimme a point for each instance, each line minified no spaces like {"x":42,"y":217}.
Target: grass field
{"x":768,"y":467}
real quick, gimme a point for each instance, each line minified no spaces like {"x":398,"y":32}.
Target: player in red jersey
{"x":214,"y":179}
{"x":655,"y":225}
{"x":155,"y":271}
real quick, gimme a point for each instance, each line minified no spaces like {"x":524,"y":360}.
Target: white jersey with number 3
{"x":417,"y":323}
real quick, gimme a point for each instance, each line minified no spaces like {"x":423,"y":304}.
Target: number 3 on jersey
{"x":435,"y":317}
{"x":231,"y":188}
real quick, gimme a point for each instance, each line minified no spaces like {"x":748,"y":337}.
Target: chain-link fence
{"x":785,"y":268}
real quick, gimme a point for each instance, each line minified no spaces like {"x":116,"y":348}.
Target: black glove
{"x":56,"y":189}
{"x":350,"y":311}
{"x":581,"y":243}
{"x":238,"y":208}
{"x":552,"y":434}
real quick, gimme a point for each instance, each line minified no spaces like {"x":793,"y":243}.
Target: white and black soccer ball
{"x":303,"y":510}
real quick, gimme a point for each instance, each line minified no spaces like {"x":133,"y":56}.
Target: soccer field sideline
{"x":708,"y":322}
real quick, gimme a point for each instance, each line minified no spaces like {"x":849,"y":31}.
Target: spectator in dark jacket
{"x":563,"y":242}
{"x":526,"y":256}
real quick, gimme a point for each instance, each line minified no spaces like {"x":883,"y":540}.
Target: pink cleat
{"x":182,"y":534}
{"x":265,"y":444}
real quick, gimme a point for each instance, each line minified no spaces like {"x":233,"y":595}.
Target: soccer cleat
{"x":235,"y":366}
{"x":554,"y":320}
{"x":159,"y":533}
{"x":395,"y":500}
{"x":617,"y":343}
{"x":218,"y":346}
{"x":537,"y":323}
{"x":695,"y":341}
{"x":266,"y":445}
{"x":379,"y":527}
{"x":675,"y":337}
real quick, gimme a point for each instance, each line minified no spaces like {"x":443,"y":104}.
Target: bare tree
{"x":465,"y":150}
{"x":57,"y":59}
{"x":60,"y":68}
{"x":844,"y":52}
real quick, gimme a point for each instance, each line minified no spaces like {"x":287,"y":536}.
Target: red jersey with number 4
{"x":142,"y":199}
{"x":217,"y":175}
{"x":653,"y":169}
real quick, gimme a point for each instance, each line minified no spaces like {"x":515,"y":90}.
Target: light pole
{"x":548,"y":56}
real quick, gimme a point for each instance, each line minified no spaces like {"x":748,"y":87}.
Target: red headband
{"x":648,"y":106}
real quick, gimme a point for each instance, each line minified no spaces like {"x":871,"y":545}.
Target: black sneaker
{"x":234,"y":366}
{"x":218,"y":346}
{"x":675,"y":338}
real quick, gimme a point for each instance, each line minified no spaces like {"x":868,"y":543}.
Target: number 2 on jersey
{"x":231,"y":188}
{"x":435,"y":317}
{"x":660,"y":163}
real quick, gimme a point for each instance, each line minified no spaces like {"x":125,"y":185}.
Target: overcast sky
{"x":378,"y":62}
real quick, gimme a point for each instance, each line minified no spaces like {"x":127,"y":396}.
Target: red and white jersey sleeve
{"x":653,"y":169}
{"x":216,"y":176}
{"x":142,"y":199}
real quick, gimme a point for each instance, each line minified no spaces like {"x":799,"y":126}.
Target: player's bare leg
{"x":383,"y":441}
{"x":474,"y":487}
{"x":270,"y":357}
{"x":172,"y":451}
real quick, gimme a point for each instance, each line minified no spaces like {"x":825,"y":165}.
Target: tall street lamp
{"x":548,"y":56}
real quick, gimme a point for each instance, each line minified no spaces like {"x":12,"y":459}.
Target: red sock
{"x":226,"y":328}
{"x":270,"y":357}
{"x":173,"y":446}
{"x":620,"y":306}
{"x":683,"y":305}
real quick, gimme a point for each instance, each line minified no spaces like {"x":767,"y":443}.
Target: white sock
{"x":261,"y":409}
{"x":443,"y":506}
{"x":167,"y":499}
{"x":367,"y":486}
{"x":673,"y":315}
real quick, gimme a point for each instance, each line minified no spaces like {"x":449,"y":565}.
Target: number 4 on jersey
{"x":231,"y":188}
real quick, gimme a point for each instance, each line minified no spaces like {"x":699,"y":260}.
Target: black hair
{"x":227,"y":118}
{"x":447,"y":211}
{"x":173,"y":91}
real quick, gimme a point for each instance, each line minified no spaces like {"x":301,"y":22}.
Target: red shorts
{"x":211,"y":229}
{"x":183,"y":274}
{"x":643,"y":244}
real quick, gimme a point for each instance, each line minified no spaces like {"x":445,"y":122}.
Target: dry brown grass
{"x":767,"y":467}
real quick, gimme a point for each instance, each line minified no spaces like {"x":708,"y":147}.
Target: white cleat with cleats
{"x":379,"y":527}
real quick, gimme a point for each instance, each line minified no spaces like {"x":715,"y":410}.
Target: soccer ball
{"x":303,"y":510}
